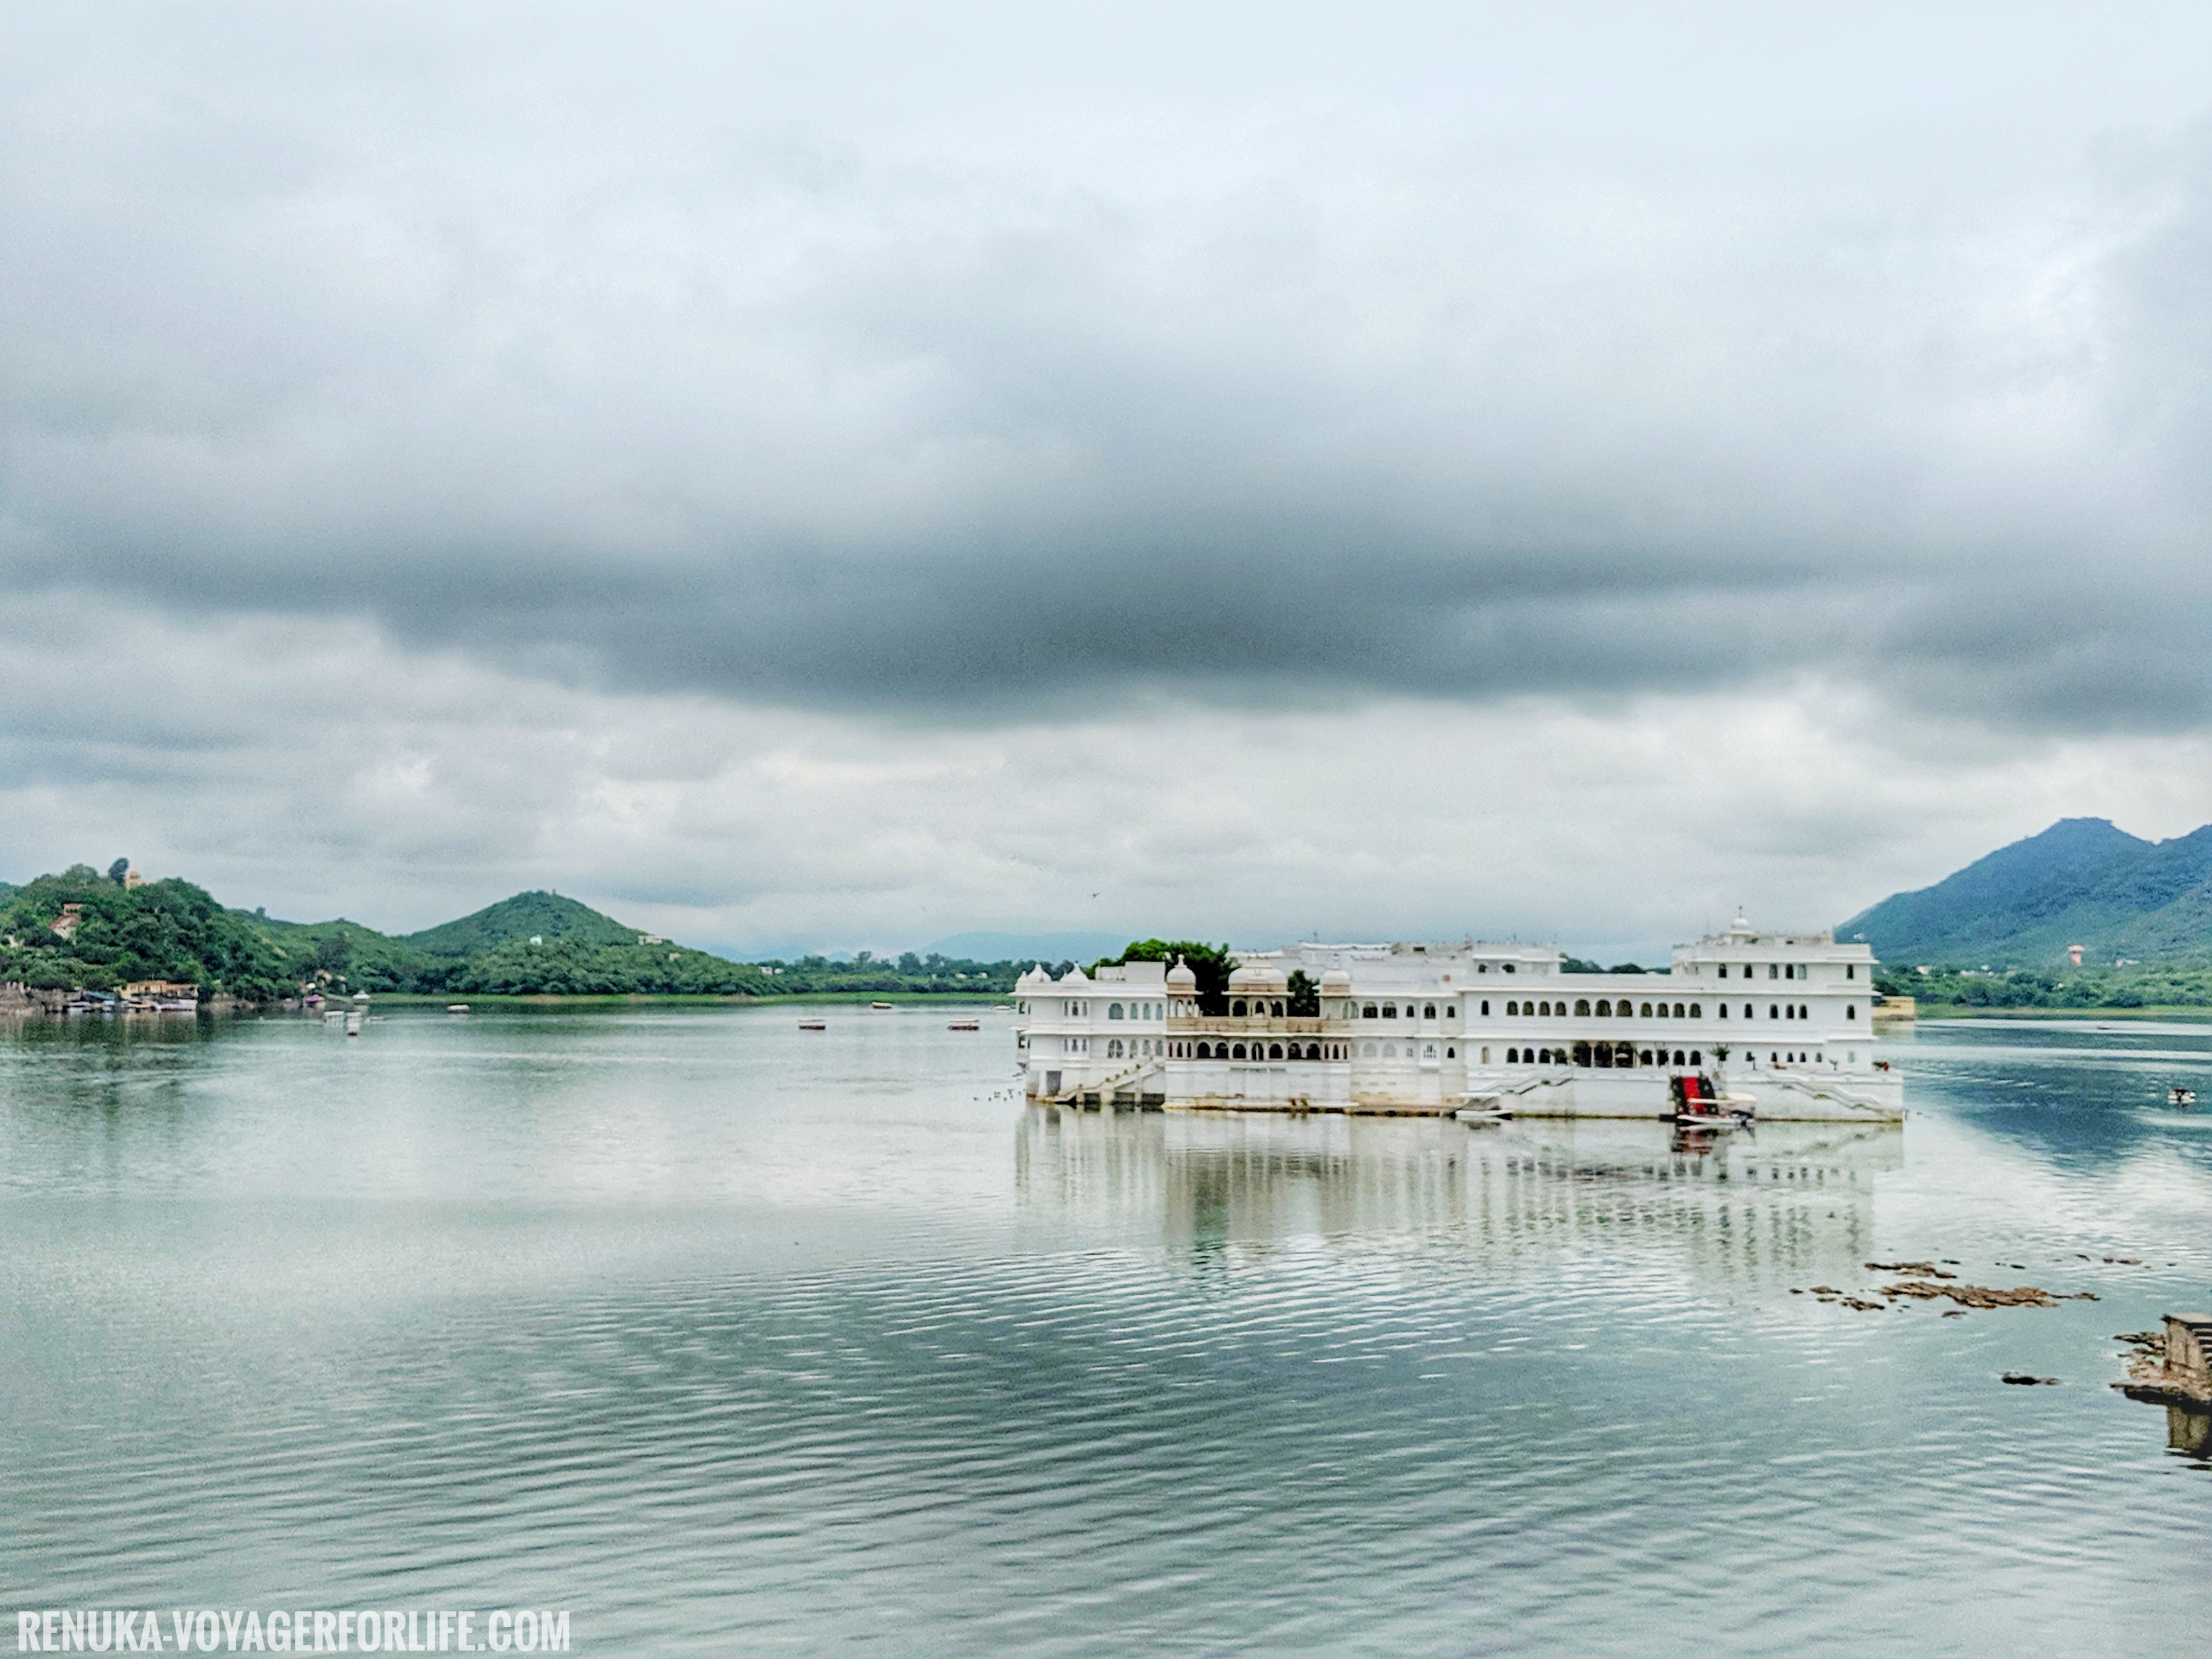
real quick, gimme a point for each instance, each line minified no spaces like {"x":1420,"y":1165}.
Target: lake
{"x":729,"y":1337}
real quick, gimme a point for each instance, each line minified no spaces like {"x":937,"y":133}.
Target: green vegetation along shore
{"x":1956,"y":992}
{"x":90,"y":930}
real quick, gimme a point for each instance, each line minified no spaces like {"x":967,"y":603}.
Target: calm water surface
{"x":732,"y":1338}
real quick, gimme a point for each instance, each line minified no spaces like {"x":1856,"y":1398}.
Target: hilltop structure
{"x":1426,"y":1028}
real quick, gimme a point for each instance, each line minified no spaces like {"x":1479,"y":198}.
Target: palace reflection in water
{"x":1794,"y":1196}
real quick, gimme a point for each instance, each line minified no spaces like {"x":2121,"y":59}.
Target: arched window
{"x":1662,"y":1011}
{"x":1582,"y":1054}
{"x":1747,"y":1011}
{"x":1774,"y":1010}
{"x":1850,"y":970}
{"x":1368,"y":1012}
{"x":1582,"y":1006}
{"x":1512,"y":1056}
{"x":1512,"y":1008}
{"x":1789,"y":1010}
{"x":1697,"y":1010}
{"x":1390,"y":1010}
{"x":1696,"y":1059}
{"x":1114,"y":1049}
{"x":1647,"y":1010}
{"x":1237,"y":1010}
{"x":1389,"y":1051}
{"x":1485,"y":1056}
{"x":1678,"y":1056}
{"x":1428,"y":1011}
{"x":1678,"y":1011}
{"x":1850,"y":1011}
{"x":1237,"y":1052}
{"x":1604,"y":1009}
{"x":1428,"y":1051}
{"x":1544,"y":1010}
{"x":1804,"y":1011}
{"x":1113,"y":1010}
{"x":1624,"y":1009}
{"x":1276,"y":1008}
{"x":1450,"y":1053}
{"x":1543,"y":1056}
{"x":1486,"y":1010}
{"x":1274,"y":1050}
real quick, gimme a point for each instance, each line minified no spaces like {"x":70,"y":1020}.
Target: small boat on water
{"x":1002,"y":1007}
{"x":812,"y":1024}
{"x":968,"y":1024}
{"x":2177,"y":1095}
{"x":1484,"y":1114}
{"x":457,"y":1007}
{"x":880,"y":1007}
{"x":353,"y":1024}
{"x":1699,"y":1105}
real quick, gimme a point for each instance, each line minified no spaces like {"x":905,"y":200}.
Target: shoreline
{"x":1966,"y":1011}
{"x":672,"y":1000}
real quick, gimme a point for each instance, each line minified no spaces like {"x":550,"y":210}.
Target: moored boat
{"x":457,"y":1007}
{"x":880,"y":1007}
{"x":811,"y":1023}
{"x":969,"y":1024}
{"x":2178,"y":1096}
{"x":1698,"y":1105}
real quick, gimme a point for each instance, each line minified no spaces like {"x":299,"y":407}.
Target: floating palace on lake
{"x":1428,"y":1028}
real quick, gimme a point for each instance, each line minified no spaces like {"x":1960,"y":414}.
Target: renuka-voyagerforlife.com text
{"x":208,"y":1630}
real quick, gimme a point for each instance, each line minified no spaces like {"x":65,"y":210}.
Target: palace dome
{"x":1257,"y":980}
{"x":1336,"y":983}
{"x":1181,"y":979}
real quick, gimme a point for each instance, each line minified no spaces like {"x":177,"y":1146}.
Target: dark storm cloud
{"x":728,"y":357}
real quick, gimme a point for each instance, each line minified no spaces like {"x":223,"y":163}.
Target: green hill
{"x":2080,"y":882}
{"x":526,"y":915}
{"x":173,"y":930}
{"x":161,"y":930}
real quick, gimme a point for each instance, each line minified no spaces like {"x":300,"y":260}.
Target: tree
{"x":118,"y":870}
{"x":1305,"y":995}
{"x":1213,"y":964}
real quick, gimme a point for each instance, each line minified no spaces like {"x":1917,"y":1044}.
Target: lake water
{"x":730,"y":1338}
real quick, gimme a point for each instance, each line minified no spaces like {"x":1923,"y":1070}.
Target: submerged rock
{"x":1983,"y":1295}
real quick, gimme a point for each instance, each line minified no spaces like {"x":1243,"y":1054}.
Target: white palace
{"x":1787,"y":1018}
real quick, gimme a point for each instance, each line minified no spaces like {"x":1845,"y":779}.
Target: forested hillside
{"x":2080,"y":882}
{"x":532,"y":944}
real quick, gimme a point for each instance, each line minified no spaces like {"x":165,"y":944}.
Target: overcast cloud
{"x":855,"y":474}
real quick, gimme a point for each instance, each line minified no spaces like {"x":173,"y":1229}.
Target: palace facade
{"x":1430,"y":1028}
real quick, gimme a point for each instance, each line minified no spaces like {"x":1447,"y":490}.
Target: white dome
{"x":1257,"y":980}
{"x":1336,"y":983}
{"x":1181,"y":978}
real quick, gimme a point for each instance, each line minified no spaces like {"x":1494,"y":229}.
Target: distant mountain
{"x":2080,"y":882}
{"x":526,"y":915}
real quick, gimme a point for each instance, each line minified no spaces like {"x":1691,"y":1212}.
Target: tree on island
{"x":1213,"y":964}
{"x":117,"y":870}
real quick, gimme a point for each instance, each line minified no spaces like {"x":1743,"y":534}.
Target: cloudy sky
{"x":847,"y":474}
